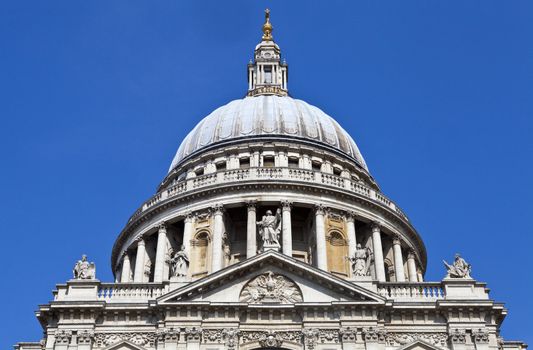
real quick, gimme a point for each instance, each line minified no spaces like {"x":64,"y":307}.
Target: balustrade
{"x":111,"y":292}
{"x":263,"y":173}
{"x":412,"y":291}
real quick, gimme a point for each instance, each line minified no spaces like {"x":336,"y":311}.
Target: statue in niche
{"x":270,"y":228}
{"x":84,"y":270}
{"x":459,"y":269}
{"x":360,"y":261}
{"x":179,"y":263}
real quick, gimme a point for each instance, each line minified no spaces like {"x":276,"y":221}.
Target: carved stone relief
{"x":271,"y":288}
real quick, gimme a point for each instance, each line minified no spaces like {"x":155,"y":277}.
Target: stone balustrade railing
{"x":261,"y":173}
{"x":419,"y":291}
{"x":120,"y":292}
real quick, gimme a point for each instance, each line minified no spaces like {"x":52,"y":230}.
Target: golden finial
{"x":267,"y":27}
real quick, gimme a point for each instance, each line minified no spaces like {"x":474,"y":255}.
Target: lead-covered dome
{"x":268,"y":116}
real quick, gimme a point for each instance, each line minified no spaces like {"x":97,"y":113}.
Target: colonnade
{"x":320,"y":257}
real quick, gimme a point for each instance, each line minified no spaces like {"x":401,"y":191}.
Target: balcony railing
{"x":419,"y":291}
{"x":122,"y":292}
{"x":262,"y":173}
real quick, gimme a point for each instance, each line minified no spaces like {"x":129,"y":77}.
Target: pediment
{"x":271,"y":278}
{"x":124,"y":345}
{"x":420,"y":345}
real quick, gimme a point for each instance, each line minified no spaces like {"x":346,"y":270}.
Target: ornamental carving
{"x":270,"y":339}
{"x":167,"y":335}
{"x":458,"y":336}
{"x":212,"y":335}
{"x":374,"y":334}
{"x":231,"y":337}
{"x":84,"y":270}
{"x":85,"y":337}
{"x":310,"y":337}
{"x":397,"y":339}
{"x":481,"y":336}
{"x":251,"y":336}
{"x":459,"y":269}
{"x":63,"y":336}
{"x":193,"y":334}
{"x":328,"y":335}
{"x":138,"y":338}
{"x":271,"y":288}
{"x":348,"y":334}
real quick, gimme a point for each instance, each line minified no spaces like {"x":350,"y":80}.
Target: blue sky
{"x":95,"y":97}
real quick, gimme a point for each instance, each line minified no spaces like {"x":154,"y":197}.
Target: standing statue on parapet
{"x":84,"y":270}
{"x":270,"y":228}
{"x":459,"y":269}
{"x":360,"y":261}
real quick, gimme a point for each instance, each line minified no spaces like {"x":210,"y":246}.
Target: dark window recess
{"x":337,"y":171}
{"x":294,"y":163}
{"x":316,"y":166}
{"x":221,"y":166}
{"x":268,"y":162}
{"x":199,"y":172}
{"x":244,"y":163}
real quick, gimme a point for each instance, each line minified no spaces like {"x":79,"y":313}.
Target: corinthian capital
{"x":286,"y":205}
{"x":218,"y":209}
{"x":376,"y":226}
{"x":320,"y":209}
{"x":162,"y":225}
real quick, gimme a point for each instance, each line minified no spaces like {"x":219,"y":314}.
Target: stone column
{"x":411,"y":267}
{"x":62,"y":339}
{"x":251,"y":230}
{"x":125,"y":276}
{"x":140,"y":261}
{"x":218,"y":228}
{"x":378,"y":251}
{"x":187,"y":233}
{"x":398,"y":260}
{"x":160,"y":252}
{"x":193,"y":336}
{"x":481,"y":338}
{"x":286,"y":227}
{"x":457,"y":339}
{"x":374,"y":338}
{"x":352,"y":238}
{"x":321,"y":253}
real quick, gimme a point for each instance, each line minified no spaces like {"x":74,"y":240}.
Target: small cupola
{"x":267,"y":75}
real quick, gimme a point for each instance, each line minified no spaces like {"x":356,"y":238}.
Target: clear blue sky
{"x":95,"y":97}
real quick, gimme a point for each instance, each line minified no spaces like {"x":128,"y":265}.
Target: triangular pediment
{"x":271,"y":277}
{"x":420,"y":344}
{"x":124,"y":345}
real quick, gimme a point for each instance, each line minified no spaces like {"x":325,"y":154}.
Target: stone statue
{"x":270,"y":228}
{"x":84,"y":270}
{"x":361,"y":261}
{"x":179,"y":263}
{"x":459,"y":269}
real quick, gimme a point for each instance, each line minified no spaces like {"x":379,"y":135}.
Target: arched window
{"x":337,"y":248}
{"x":200,"y":254}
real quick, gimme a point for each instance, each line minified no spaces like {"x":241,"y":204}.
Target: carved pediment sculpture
{"x":271,"y":288}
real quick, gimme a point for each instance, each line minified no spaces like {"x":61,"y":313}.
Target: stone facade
{"x":269,"y":232}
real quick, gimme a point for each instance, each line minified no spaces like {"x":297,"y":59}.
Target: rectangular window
{"x":316,"y":166}
{"x":294,"y":163}
{"x":244,"y":163}
{"x":199,"y":171}
{"x":221,"y":166}
{"x":268,"y":161}
{"x":268,"y":74}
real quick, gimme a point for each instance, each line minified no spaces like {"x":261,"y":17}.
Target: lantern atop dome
{"x":267,"y":75}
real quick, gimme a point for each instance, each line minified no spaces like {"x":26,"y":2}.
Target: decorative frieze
{"x":85,"y":337}
{"x":193,"y":334}
{"x":270,"y":339}
{"x":138,"y":338}
{"x":397,"y":339}
{"x":310,"y":337}
{"x":374,"y":335}
{"x":348,"y":334}
{"x":481,"y":336}
{"x":63,"y":336}
{"x":166,"y":335}
{"x":231,"y":337}
{"x":270,"y":336}
{"x":328,"y":335}
{"x":458,"y":336}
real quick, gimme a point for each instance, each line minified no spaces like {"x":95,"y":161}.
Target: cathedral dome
{"x":268,"y":117}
